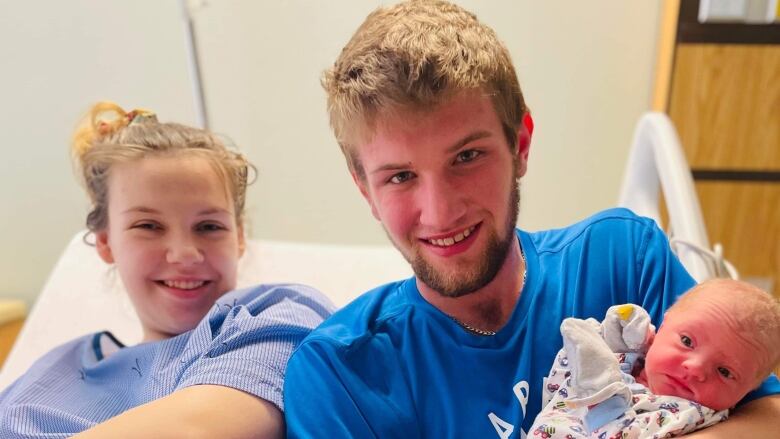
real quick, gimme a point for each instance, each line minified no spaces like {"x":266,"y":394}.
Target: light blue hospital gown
{"x":244,"y":342}
{"x":616,"y":407}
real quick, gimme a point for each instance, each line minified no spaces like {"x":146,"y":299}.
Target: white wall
{"x":57,"y":58}
{"x":585,"y":68}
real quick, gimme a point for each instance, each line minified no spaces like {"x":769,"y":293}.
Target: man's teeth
{"x":446,"y":242}
{"x":184,"y":285}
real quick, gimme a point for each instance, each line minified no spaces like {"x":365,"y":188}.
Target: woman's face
{"x":173,"y":236}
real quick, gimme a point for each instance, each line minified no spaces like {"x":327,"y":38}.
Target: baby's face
{"x":698,"y":355}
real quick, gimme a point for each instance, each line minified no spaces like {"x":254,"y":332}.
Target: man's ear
{"x":524,"y":135}
{"x":360,"y":182}
{"x":103,"y":247}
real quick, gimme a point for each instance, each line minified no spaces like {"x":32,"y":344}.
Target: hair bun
{"x":103,"y":119}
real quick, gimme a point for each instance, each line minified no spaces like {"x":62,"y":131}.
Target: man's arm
{"x":322,"y":398}
{"x":759,"y":418}
{"x":204,"y":411}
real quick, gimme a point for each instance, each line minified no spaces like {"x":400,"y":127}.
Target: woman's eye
{"x":467,"y":155}
{"x":210,"y":227}
{"x":146,"y":226}
{"x":401,"y":177}
{"x":686,"y":340}
{"x":725,"y":373}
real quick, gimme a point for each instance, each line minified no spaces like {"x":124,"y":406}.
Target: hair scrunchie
{"x":103,"y":120}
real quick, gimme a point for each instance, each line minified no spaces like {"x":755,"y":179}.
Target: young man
{"x":426,"y":106}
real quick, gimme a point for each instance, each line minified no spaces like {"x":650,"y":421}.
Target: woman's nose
{"x":183,"y":251}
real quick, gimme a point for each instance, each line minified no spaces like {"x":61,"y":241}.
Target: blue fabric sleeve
{"x":770,"y":386}
{"x":250,"y":349}
{"x":319,"y":403}
{"x":661,"y":276}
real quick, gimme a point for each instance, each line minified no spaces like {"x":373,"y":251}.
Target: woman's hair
{"x":108,"y":135}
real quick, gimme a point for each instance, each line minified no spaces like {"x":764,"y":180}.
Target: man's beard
{"x":473,"y":278}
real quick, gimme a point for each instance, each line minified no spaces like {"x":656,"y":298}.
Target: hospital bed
{"x":83,"y":294}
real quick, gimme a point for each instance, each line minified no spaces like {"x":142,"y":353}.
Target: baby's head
{"x":167,"y":207}
{"x":717,"y":343}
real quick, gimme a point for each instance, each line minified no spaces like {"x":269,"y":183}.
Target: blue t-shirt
{"x":390,"y":365}
{"x":244,"y":342}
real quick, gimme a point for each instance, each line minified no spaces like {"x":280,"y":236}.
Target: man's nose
{"x":183,"y":250}
{"x":441,"y":203}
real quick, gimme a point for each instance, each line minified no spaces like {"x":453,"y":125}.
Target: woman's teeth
{"x":184,"y":285}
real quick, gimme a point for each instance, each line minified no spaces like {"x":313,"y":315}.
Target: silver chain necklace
{"x":485,"y":332}
{"x":473,"y":330}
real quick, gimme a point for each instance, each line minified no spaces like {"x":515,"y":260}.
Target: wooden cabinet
{"x":8,"y":333}
{"x":723,"y":95}
{"x":12,"y":314}
{"x":725,"y":102}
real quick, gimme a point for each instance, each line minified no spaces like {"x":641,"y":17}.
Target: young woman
{"x":167,"y":212}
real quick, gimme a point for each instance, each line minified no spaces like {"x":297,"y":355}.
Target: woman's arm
{"x":203,"y":411}
{"x":759,"y":418}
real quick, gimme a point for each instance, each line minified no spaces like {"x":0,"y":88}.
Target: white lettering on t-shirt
{"x":505,"y":429}
{"x":521,"y":392}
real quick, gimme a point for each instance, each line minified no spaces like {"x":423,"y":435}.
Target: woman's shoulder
{"x":272,"y":304}
{"x":67,"y":356}
{"x":260,"y":297}
{"x":72,"y":349}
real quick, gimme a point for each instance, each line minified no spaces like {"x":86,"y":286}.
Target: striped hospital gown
{"x":244,"y":342}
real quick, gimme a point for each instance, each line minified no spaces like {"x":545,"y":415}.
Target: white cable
{"x":723,"y":267}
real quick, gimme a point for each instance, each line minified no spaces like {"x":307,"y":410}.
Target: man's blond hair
{"x":415,"y":55}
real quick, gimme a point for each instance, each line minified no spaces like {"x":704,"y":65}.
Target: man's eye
{"x":467,"y":155}
{"x":401,"y":177}
{"x":725,"y":373}
{"x":686,"y":340}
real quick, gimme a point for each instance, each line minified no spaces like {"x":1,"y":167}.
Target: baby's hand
{"x":627,"y":328}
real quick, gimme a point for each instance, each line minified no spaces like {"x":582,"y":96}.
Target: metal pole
{"x":194,"y":66}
